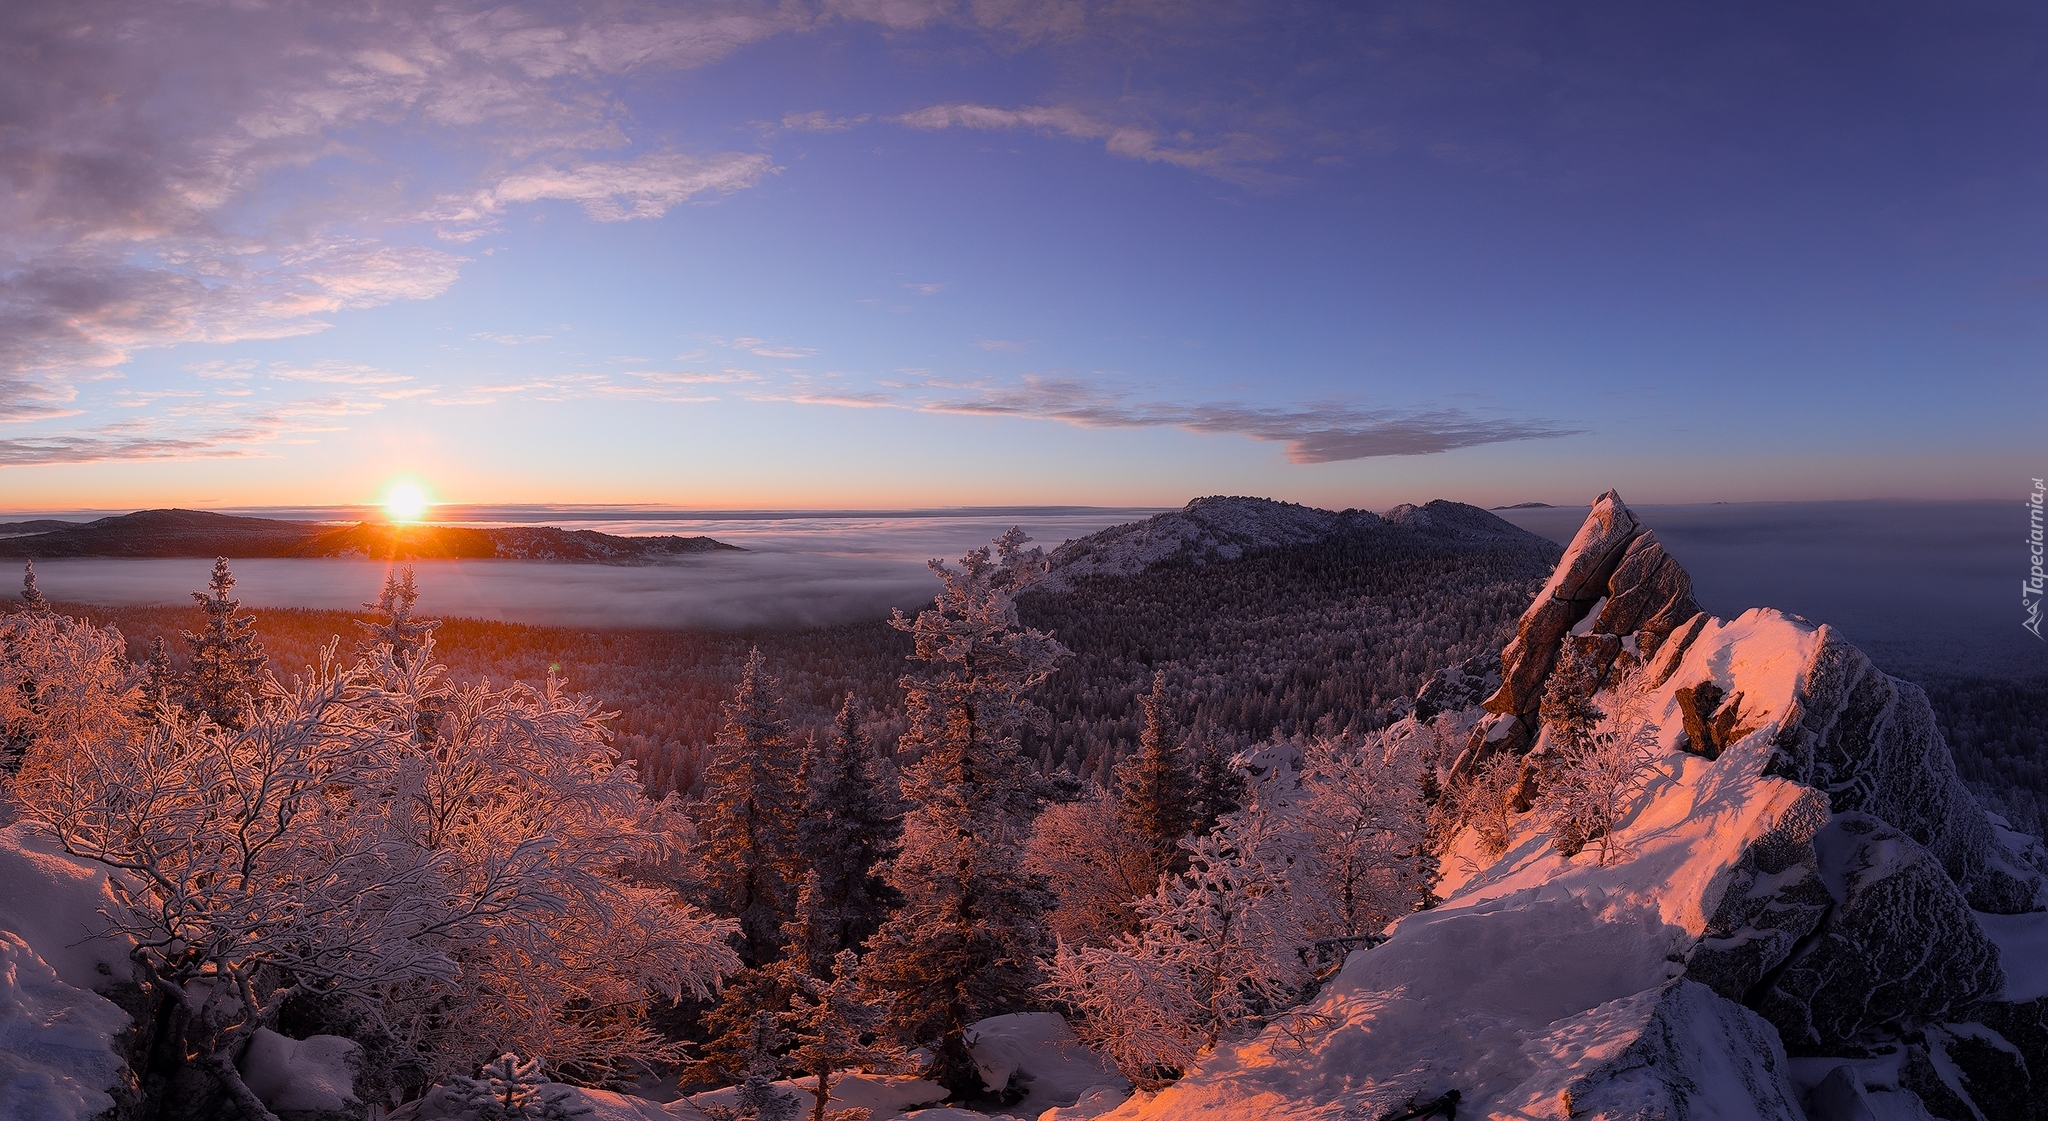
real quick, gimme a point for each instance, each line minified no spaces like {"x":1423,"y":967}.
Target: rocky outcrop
{"x":1870,"y":742}
{"x":1649,"y":595}
{"x":1579,"y":582}
{"x":1458,"y":687}
{"x":1898,"y":950}
{"x":1772,"y":899}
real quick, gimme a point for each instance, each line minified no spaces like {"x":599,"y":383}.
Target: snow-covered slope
{"x":60,"y":1042}
{"x":1799,"y":874}
{"x":1226,"y":528}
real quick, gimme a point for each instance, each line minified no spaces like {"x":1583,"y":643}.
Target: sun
{"x":405,"y":502}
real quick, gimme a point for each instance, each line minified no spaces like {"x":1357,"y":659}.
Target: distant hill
{"x":1527,"y":506}
{"x":200,"y":533}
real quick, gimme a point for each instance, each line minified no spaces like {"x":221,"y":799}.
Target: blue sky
{"x":885,"y":252}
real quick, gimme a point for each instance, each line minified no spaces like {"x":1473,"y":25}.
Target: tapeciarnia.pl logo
{"x":2032,"y":587}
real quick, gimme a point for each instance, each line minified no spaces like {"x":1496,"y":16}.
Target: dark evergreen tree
{"x":836,"y":1028}
{"x":1220,"y":785}
{"x":395,"y":627}
{"x":851,"y":823}
{"x":731,"y":1047}
{"x":748,"y":815}
{"x":1156,"y":787}
{"x":966,"y":942}
{"x":227,"y":657}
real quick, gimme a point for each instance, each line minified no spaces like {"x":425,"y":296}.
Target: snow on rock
{"x":54,"y":900}
{"x":1050,"y":1065}
{"x":307,"y":1076}
{"x":1093,"y":1103}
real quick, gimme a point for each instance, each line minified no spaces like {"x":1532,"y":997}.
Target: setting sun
{"x":405,"y":502}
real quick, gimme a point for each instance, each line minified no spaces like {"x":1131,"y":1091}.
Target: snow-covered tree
{"x":1096,"y":866}
{"x":472,"y":899}
{"x":159,"y":682}
{"x":1217,"y":946}
{"x":1596,"y":773}
{"x":748,"y":815}
{"x":32,"y":596}
{"x":394,"y":625}
{"x":1156,"y":787}
{"x":759,"y":1099}
{"x":1485,"y":803}
{"x":837,"y":1027}
{"x":1361,"y":806}
{"x":966,"y":942}
{"x":852,"y":819}
{"x":1220,"y":785}
{"x":62,"y":682}
{"x":227,"y":657}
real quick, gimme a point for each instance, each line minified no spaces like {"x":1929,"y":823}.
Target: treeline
{"x":1997,"y":730}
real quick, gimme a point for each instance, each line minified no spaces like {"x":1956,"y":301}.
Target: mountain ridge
{"x":169,"y":533}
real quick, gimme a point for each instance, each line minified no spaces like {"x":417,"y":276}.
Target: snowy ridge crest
{"x":1808,"y":919}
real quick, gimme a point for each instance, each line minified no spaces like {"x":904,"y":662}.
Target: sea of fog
{"x":1923,"y":586}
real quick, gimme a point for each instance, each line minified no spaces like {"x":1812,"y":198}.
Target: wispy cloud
{"x":1231,"y":157}
{"x":510,"y":340}
{"x":335,"y":372}
{"x":766,"y":349}
{"x":1324,"y":432}
{"x":817,"y":120}
{"x":647,"y":187}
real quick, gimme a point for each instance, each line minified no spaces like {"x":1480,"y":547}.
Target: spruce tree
{"x":1220,"y":786}
{"x":227,"y":658}
{"x":395,"y":627}
{"x":1156,"y":787}
{"x":750,"y":804}
{"x":32,"y":596}
{"x":966,"y":943}
{"x":836,"y":1028}
{"x":851,"y":824}
{"x":159,"y":681}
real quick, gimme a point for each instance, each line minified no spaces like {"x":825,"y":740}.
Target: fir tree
{"x":967,"y":940}
{"x":750,"y":801}
{"x":32,"y":596}
{"x":1220,"y":786}
{"x":851,"y":824}
{"x":509,"y":1090}
{"x":227,"y":658}
{"x":1156,"y":787}
{"x":159,"y":681}
{"x":759,"y":1099}
{"x":836,"y":1027}
{"x":395,"y":627}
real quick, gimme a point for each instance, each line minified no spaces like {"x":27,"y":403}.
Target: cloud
{"x":817,"y":120}
{"x":926,"y":289}
{"x":510,"y":340}
{"x":766,"y":349}
{"x":1004,"y":346}
{"x":1231,"y":157}
{"x":616,"y":192}
{"x":336,"y":372}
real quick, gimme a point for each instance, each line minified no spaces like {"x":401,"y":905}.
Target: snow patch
{"x":58,"y":1056}
{"x":1054,"y":1068}
{"x":311,"y":1074}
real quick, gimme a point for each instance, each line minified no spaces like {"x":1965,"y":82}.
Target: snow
{"x":58,"y":1054}
{"x":1225,"y":527}
{"x":53,"y":901}
{"x":300,"y":1074}
{"x":60,"y":1047}
{"x":2022,"y":942}
{"x":1057,"y":1070}
{"x":888,"y":1095}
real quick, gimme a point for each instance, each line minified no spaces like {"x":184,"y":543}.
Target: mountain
{"x":1267,"y":617}
{"x":1216,"y":529}
{"x":200,"y":533}
{"x":1806,"y":917}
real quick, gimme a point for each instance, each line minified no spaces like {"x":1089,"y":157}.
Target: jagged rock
{"x":1899,"y":948}
{"x":1991,"y":1073}
{"x":1942,"y":1099}
{"x":1649,"y":594}
{"x":1773,"y":898}
{"x":1693,"y":1054}
{"x":1458,"y":687}
{"x":1577,"y":585}
{"x":1871,"y":743}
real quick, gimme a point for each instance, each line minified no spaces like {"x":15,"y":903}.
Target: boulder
{"x":1458,"y":687}
{"x":1897,"y":950}
{"x":1575,"y":587}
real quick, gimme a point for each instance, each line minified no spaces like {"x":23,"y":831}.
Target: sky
{"x":894,"y":253}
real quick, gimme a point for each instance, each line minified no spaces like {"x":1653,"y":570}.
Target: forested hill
{"x":1270,"y":617}
{"x":201,"y":533}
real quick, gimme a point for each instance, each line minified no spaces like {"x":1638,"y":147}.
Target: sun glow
{"x":405,"y":502}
